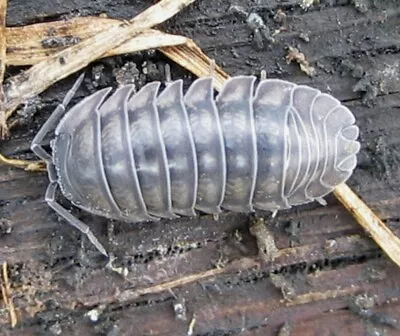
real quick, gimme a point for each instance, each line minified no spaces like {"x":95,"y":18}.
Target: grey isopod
{"x":144,"y":156}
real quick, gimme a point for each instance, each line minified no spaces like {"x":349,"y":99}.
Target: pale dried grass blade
{"x":55,"y":67}
{"x":28,"y":45}
{"x":237,"y":265}
{"x":192,"y":58}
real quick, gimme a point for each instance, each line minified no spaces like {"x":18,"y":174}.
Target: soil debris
{"x":307,"y":4}
{"x":361,"y":5}
{"x":285,"y":330}
{"x":295,"y":55}
{"x":179,"y":306}
{"x":59,"y":41}
{"x":261,"y":32}
{"x":284,"y":284}
{"x":265,"y":240}
{"x":363,"y":304}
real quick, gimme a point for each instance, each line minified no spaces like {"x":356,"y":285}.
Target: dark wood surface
{"x":328,"y":279}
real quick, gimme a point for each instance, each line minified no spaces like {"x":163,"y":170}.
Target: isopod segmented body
{"x":148,"y":155}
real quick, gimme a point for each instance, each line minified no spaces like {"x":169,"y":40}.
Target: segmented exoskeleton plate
{"x":155,"y":154}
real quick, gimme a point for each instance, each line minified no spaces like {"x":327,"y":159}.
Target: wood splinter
{"x":371,"y":223}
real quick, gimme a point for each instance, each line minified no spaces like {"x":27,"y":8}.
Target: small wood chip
{"x":297,"y":56}
{"x":267,"y":249}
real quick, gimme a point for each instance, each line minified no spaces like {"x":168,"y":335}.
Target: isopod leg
{"x":52,"y":121}
{"x":50,"y":199}
{"x":168,"y":77}
{"x":212,"y":68}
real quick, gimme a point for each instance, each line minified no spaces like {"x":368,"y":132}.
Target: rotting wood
{"x":255,"y":301}
{"x":191,"y":57}
{"x":233,"y":267}
{"x":56,"y":67}
{"x":155,"y":315}
{"x":339,"y":322}
{"x":307,"y":253}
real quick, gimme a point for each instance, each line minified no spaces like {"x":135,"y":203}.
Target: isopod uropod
{"x":148,"y":155}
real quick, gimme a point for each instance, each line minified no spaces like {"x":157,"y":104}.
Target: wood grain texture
{"x":325,"y":263}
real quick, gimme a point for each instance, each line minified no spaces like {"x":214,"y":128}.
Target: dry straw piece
{"x":28,"y":45}
{"x":114,"y":40}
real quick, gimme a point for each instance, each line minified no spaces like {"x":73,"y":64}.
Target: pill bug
{"x":149,"y":155}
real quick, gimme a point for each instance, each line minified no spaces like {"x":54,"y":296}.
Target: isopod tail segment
{"x":37,"y":148}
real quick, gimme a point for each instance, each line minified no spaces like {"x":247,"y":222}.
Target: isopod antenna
{"x":37,"y":148}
